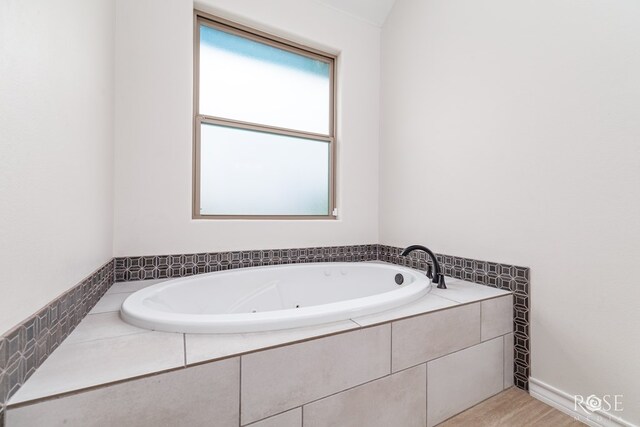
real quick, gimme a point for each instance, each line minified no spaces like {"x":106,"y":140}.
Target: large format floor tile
{"x":204,"y":395}
{"x":422,"y":338}
{"x":292,"y":418}
{"x":283,"y":378}
{"x":460,"y":380}
{"x":425,"y":304}
{"x":110,"y":302}
{"x":461,"y":291}
{"x":133,"y":286}
{"x":396,"y":400}
{"x":497,"y":317}
{"x":76,"y":366}
{"x":202,"y":347}
{"x":101,"y":326}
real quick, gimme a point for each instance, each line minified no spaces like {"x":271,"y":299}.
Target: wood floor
{"x":511,"y":408}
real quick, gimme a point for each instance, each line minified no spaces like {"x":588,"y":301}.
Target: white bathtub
{"x":271,"y":298}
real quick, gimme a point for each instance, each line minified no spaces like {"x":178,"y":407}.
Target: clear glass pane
{"x":244,"y":172}
{"x":245,"y":80}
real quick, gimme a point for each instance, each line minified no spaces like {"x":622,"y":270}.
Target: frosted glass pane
{"x":245,"y":80}
{"x":254,"y":173}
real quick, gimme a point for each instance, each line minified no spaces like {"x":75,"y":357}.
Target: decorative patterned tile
{"x":3,"y":354}
{"x":165,"y":266}
{"x":25,"y":347}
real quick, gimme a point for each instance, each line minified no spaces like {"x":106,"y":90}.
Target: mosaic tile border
{"x":25,"y":347}
{"x":166,"y":266}
{"x":502,"y":276}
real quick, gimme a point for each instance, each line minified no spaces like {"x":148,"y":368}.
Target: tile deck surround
{"x":492,"y":274}
{"x":124,"y":351}
{"x":107,"y":370}
{"x":28,"y":345}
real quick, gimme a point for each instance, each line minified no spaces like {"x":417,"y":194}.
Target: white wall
{"x":56,"y":121}
{"x":153,"y":144}
{"x":510,"y":132}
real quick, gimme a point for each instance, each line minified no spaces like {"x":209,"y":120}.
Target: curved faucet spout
{"x":438,"y":277}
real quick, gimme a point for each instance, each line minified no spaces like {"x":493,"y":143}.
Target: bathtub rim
{"x":135,"y":313}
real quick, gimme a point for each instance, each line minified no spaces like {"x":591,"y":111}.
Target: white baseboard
{"x":564,"y":402}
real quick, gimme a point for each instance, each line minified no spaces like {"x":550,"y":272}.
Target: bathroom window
{"x":264,"y":136}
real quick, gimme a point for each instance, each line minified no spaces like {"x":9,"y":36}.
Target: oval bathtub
{"x":274,"y":297}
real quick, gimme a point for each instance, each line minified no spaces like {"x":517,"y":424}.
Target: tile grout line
{"x":65,"y":394}
{"x":327,"y":396}
{"x":184,"y":348}
{"x":391,"y":347}
{"x":108,"y":338}
{"x":503,"y":373}
{"x":449,"y":354}
{"x":352,"y":387}
{"x":424,"y":313}
{"x":426,"y":390}
{"x":240,"y":391}
{"x":480,"y":321}
{"x":253,"y":423}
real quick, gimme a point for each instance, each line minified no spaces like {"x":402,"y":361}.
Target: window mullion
{"x":264,"y":128}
